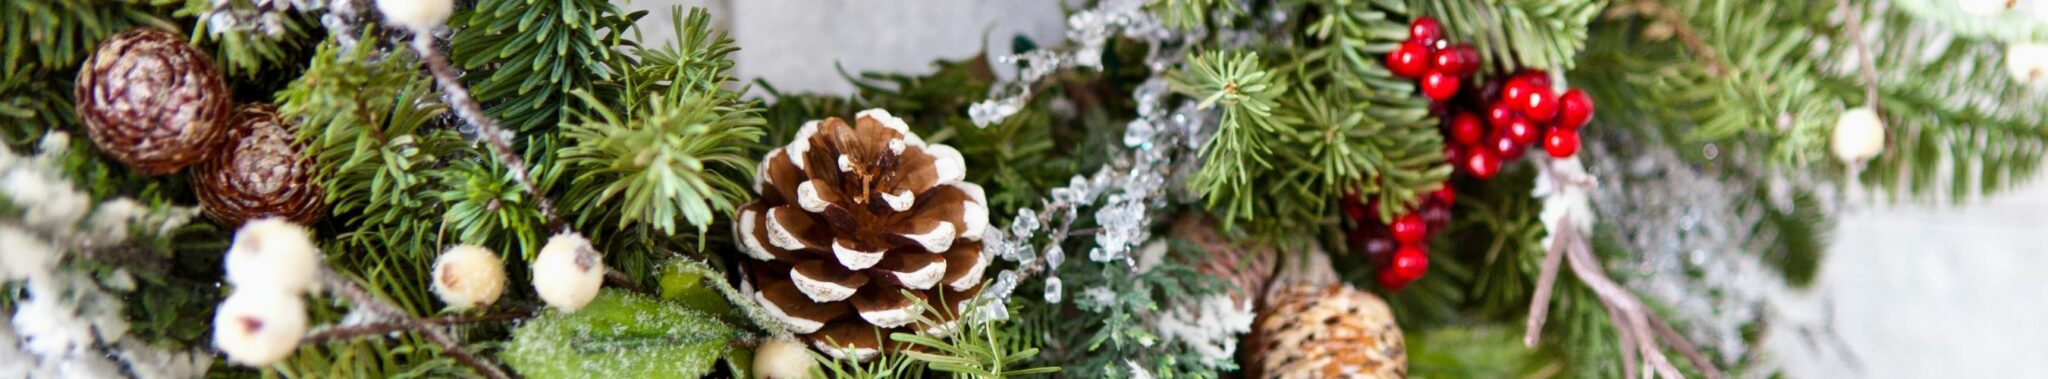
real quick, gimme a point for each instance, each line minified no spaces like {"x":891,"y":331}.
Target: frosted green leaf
{"x":621,"y":336}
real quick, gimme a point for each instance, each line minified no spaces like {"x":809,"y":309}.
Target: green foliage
{"x":1188,"y":14}
{"x":57,"y":34}
{"x":676,"y":150}
{"x":1247,"y":94}
{"x":660,"y":165}
{"x":1093,"y":337}
{"x":1470,"y":351}
{"x":537,"y":53}
{"x":621,"y":336}
{"x":362,"y":114}
{"x":1514,"y":34}
{"x":247,"y":51}
{"x":975,"y":349}
{"x":486,"y":206}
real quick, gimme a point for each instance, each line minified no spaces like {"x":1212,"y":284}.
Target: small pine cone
{"x":152,"y":101}
{"x":1248,"y":266}
{"x":1326,"y":331}
{"x":852,"y":216}
{"x":258,"y":172}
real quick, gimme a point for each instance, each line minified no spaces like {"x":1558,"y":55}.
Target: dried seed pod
{"x":152,"y":101}
{"x":258,"y":172}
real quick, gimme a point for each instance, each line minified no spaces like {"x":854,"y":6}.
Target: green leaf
{"x":621,"y":336}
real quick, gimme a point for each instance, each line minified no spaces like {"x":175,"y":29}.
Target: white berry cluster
{"x":271,"y":264}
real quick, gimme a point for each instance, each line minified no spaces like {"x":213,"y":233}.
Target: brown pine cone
{"x":850,"y":217}
{"x":1326,"y":331}
{"x":152,"y":101}
{"x":258,"y":172}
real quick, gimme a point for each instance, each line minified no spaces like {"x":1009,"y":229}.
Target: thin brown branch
{"x":388,"y":327}
{"x":1691,"y":39}
{"x":494,"y":137}
{"x":346,"y":288}
{"x":1643,"y":334}
{"x":1864,"y":61}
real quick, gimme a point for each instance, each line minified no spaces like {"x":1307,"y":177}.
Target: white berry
{"x":2027,"y":62}
{"x":257,"y":327}
{"x":422,"y":16}
{"x":1859,"y":135}
{"x":469,"y":276}
{"x":568,"y":272}
{"x":272,"y":254}
{"x":783,"y":359}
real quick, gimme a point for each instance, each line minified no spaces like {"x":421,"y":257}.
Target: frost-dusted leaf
{"x":621,"y":336}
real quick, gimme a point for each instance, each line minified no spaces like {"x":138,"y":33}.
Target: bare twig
{"x":342,"y":286}
{"x":388,"y":327}
{"x":1863,"y":59}
{"x":1643,"y":334}
{"x":494,"y":137}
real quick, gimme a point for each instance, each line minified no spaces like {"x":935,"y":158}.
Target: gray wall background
{"x":1911,"y":291}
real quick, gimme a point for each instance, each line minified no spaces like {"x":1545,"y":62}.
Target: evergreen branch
{"x":1247,"y":94}
{"x":1517,"y":34}
{"x":494,"y":137}
{"x":536,"y":53}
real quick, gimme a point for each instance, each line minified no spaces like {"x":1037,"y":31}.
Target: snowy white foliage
{"x":64,"y":322}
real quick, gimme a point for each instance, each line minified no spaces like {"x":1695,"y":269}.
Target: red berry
{"x":1458,"y":60}
{"x":1410,"y":60}
{"x":1446,"y":195}
{"x":1373,"y":242}
{"x":1521,"y":131}
{"x":1439,"y":85}
{"x":1515,"y":92}
{"x":1481,"y":163}
{"x":1540,"y":104}
{"x":1409,"y":228}
{"x":1465,"y":129}
{"x":1425,"y":30}
{"x":1505,"y":147}
{"x":1436,"y":215}
{"x":1574,"y":109}
{"x":1563,"y":142}
{"x":1354,"y":210}
{"x":1500,"y":114}
{"x":1409,"y":263}
{"x":1455,"y":154}
{"x":1536,"y":78}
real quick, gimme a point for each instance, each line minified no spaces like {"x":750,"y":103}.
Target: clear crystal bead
{"x":1006,"y":282}
{"x":1052,"y":290}
{"x":1054,"y":256}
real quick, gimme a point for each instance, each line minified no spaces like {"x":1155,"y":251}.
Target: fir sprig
{"x":1247,"y":94}
{"x":529,"y":56}
{"x":661,"y":165}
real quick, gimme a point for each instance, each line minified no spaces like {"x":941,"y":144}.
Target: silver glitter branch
{"x":341,"y":286}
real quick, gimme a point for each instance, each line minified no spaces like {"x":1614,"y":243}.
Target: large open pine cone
{"x":1326,"y":331}
{"x":258,"y":172}
{"x":152,"y":101}
{"x":852,"y":216}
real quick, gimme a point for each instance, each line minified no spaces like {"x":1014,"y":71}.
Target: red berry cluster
{"x":1494,"y":123}
{"x":1400,"y":250}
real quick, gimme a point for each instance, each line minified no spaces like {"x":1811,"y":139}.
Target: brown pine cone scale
{"x":260,"y":171}
{"x":152,"y":101}
{"x":850,"y":218}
